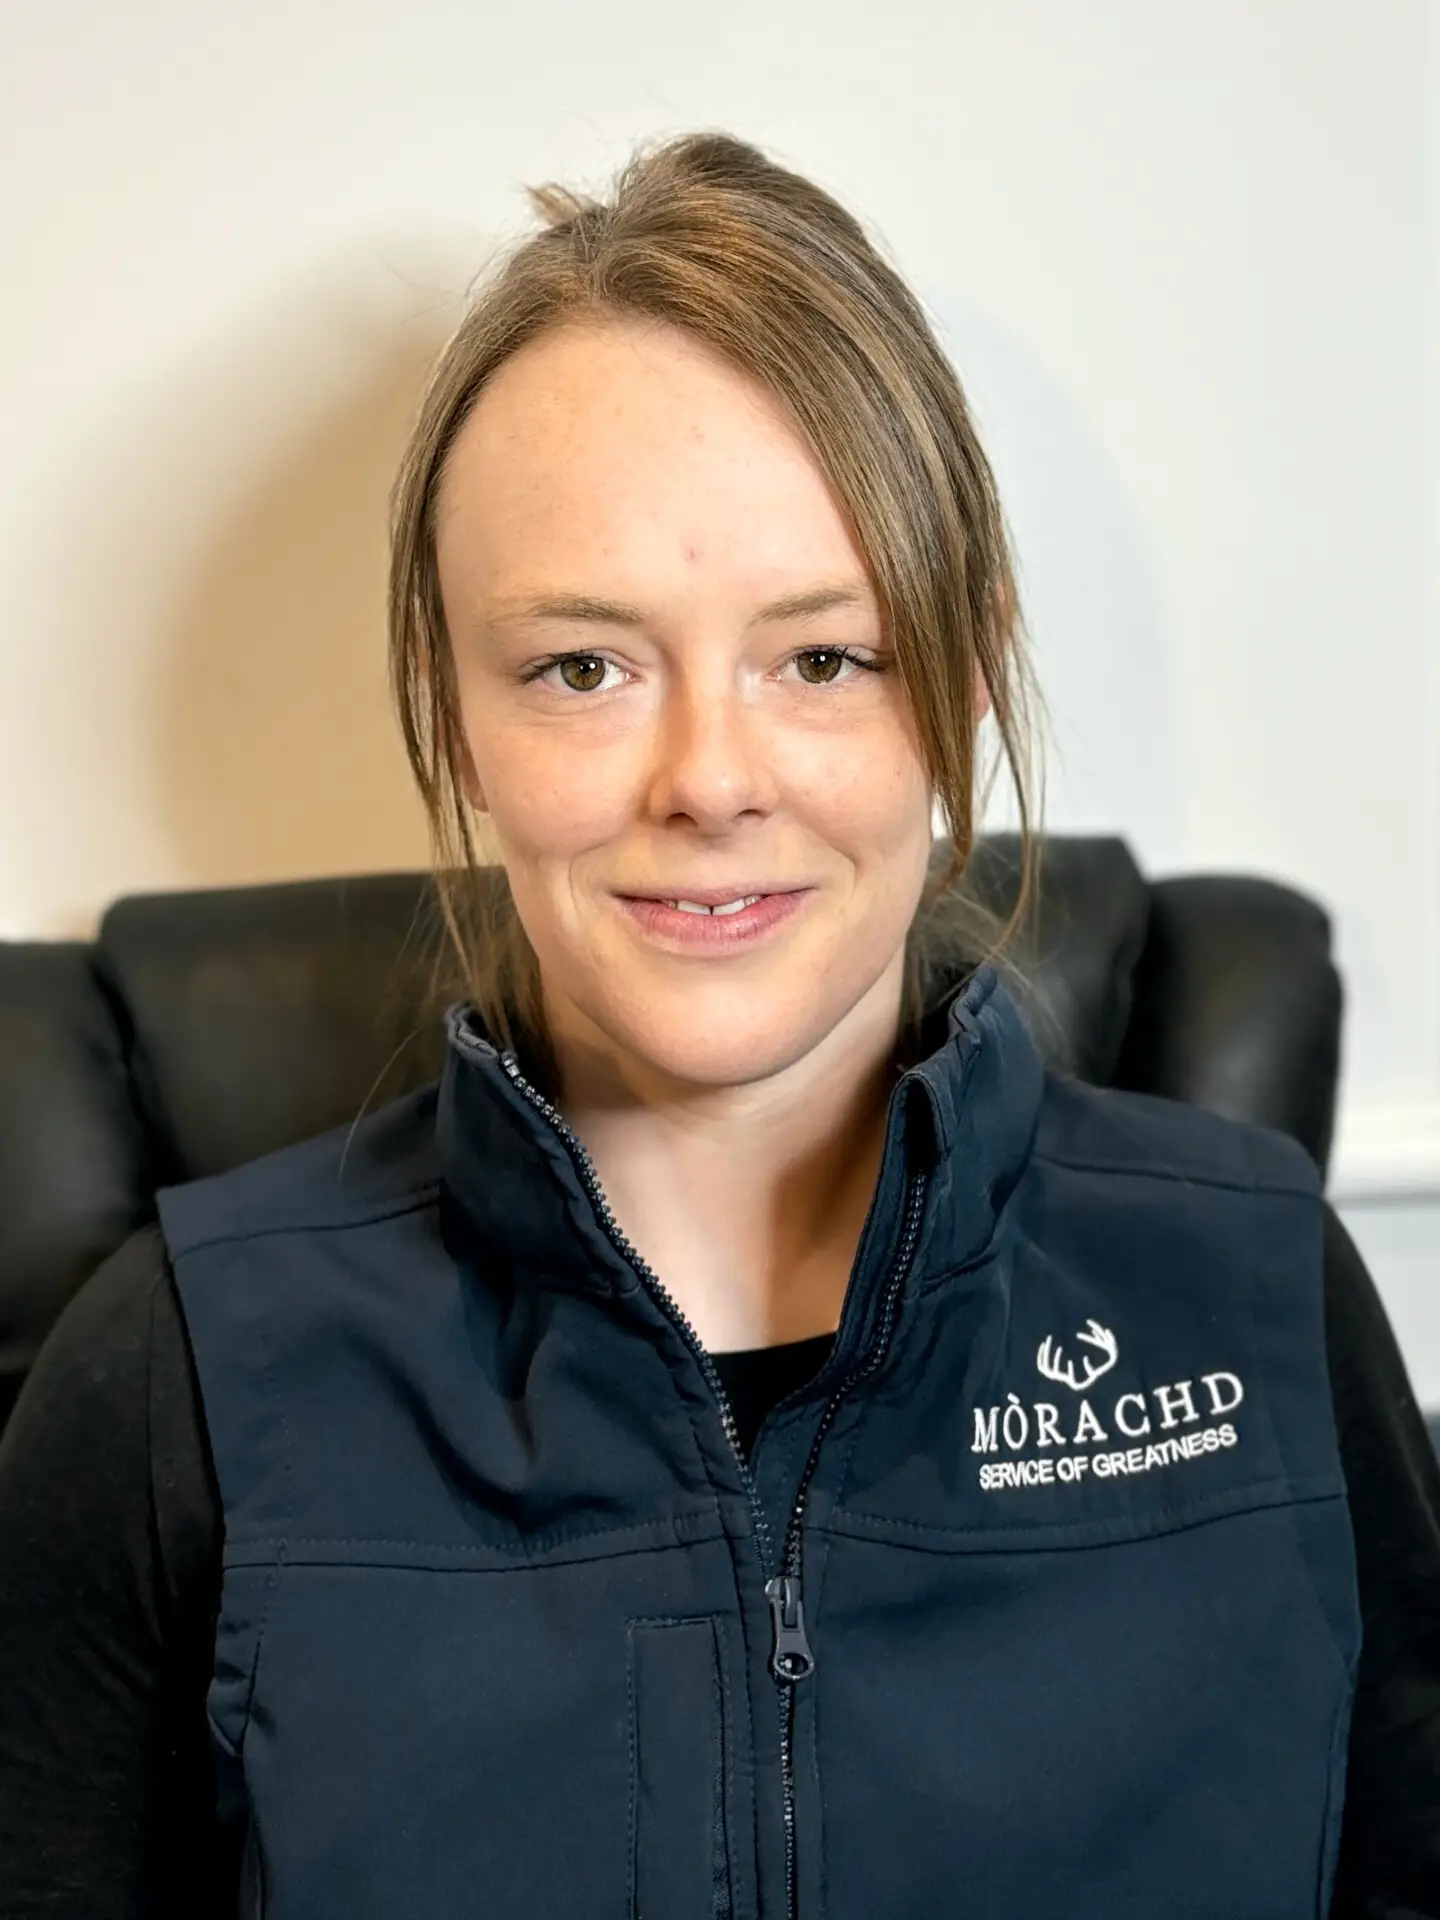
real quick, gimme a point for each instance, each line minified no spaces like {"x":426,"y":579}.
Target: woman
{"x":749,"y":1440}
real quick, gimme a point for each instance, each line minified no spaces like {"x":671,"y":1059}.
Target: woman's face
{"x":621,"y":495}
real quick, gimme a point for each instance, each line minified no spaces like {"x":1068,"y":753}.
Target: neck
{"x":748,"y":1201}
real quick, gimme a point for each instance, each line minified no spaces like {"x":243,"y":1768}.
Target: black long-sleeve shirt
{"x":110,"y":1538}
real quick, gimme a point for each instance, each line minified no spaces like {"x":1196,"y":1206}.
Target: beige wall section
{"x":195,"y":684}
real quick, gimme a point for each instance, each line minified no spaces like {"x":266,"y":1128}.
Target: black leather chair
{"x":202,"y":1028}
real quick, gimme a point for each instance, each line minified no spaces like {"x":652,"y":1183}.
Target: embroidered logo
{"x":1179,"y":1421}
{"x":1054,"y":1368}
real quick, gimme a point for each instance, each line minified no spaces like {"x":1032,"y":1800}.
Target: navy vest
{"x":1039,"y":1599}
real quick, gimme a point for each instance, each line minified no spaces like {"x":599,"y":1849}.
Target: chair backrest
{"x":202,"y":1028}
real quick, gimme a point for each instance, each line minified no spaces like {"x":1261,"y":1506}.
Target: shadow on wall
{"x":274,"y":748}
{"x":1102,"y":635}
{"x":208,"y":584}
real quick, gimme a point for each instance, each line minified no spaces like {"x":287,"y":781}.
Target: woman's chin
{"x":709,"y":1045}
{"x":726,"y":1025}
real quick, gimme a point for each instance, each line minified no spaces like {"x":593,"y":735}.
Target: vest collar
{"x":964,"y":1112}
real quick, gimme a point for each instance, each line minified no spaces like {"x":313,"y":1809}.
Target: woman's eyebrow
{"x":618,"y":613}
{"x":569,"y":606}
{"x":799,"y":606}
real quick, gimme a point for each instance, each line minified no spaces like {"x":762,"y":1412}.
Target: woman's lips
{"x":714,"y":932}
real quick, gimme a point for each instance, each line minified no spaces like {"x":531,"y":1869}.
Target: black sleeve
{"x":1390,"y":1843}
{"x":109,"y":1584}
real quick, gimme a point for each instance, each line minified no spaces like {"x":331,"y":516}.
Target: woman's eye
{"x":830,"y":662}
{"x":579,"y":672}
{"x":582,"y":672}
{"x":585,"y":672}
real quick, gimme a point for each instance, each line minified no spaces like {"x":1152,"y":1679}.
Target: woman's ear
{"x":982,"y":697}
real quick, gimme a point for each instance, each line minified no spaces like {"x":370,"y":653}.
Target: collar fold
{"x":963,"y":1112}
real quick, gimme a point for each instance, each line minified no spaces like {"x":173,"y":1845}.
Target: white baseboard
{"x":1385,"y":1154}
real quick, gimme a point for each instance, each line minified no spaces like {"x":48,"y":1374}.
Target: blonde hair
{"x":709,"y":234}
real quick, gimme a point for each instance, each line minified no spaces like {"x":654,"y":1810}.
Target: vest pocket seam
{"x":686,"y":1527}
{"x":656,"y":1790}
{"x":1337,"y":1772}
{"x":1079,"y":1535}
{"x":272,"y":1579}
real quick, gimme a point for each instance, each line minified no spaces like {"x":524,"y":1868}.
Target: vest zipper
{"x":791,"y":1656}
{"x":792,"y":1659}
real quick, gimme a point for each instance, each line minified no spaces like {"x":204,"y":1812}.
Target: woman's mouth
{"x":713,"y":927}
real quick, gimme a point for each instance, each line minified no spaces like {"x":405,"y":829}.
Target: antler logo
{"x":1048,"y":1359}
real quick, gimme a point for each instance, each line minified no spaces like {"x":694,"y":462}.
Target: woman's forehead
{"x":621,"y":456}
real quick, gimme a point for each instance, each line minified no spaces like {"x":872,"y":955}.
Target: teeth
{"x":730,"y":906}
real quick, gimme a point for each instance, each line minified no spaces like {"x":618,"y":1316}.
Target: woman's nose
{"x":711,"y":757}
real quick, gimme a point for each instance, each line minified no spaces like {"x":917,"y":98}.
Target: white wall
{"x":1185,"y":256}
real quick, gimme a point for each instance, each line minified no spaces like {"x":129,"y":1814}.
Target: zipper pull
{"x":791,"y":1658}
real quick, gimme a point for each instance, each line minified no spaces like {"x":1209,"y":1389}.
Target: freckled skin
{"x":584,"y":469}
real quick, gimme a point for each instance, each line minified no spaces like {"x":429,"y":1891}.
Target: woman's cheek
{"x":548,"y":795}
{"x":868,"y":786}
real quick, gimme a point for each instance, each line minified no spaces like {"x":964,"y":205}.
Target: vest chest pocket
{"x":679,"y":1755}
{"x":251,"y":1902}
